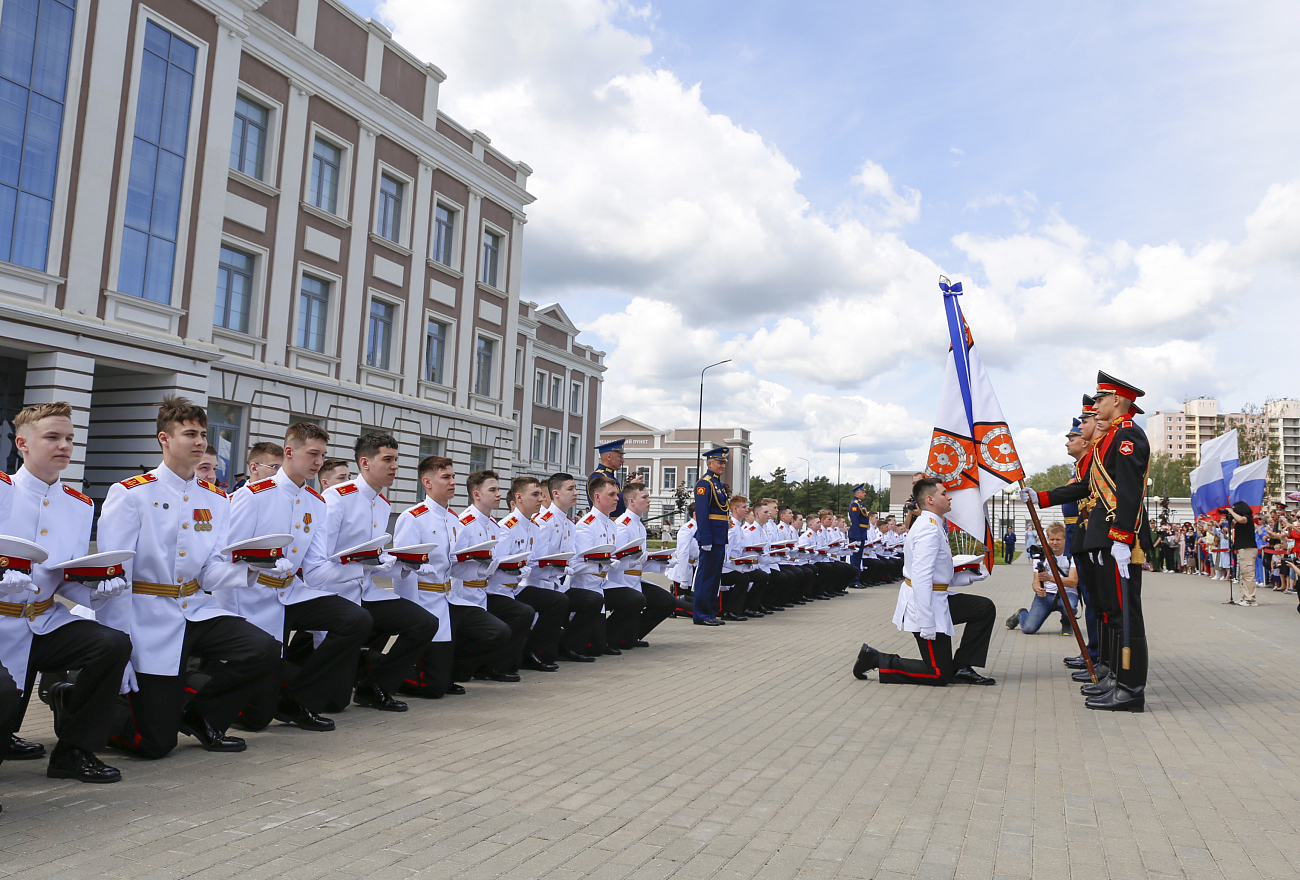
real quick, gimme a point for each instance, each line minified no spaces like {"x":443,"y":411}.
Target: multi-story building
{"x":667,"y":460}
{"x":258,"y":205}
{"x":1179,"y":434}
{"x":1284,"y":445}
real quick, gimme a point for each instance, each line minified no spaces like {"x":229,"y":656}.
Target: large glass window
{"x":153,"y":197}
{"x":435,"y":348}
{"x":574,"y":461}
{"x":557,"y":392}
{"x":483,"y":367}
{"x":313,"y":311}
{"x":234,"y":290}
{"x":444,"y":222}
{"x":575,"y":398}
{"x":539,"y":438}
{"x":692,"y":476}
{"x":539,"y":388}
{"x":248,"y":141}
{"x":391,"y":192}
{"x":553,"y":447}
{"x":380,"y":336}
{"x":670,"y":478}
{"x":35,"y":43}
{"x":480,"y":458}
{"x":430,"y":446}
{"x":491,"y":251}
{"x":224,"y":420}
{"x":326,"y":160}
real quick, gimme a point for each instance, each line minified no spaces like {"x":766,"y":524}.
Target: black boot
{"x":1103,"y":686}
{"x":1120,"y":699}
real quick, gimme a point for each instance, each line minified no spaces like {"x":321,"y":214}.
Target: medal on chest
{"x":202,"y":519}
{"x":306,"y":522}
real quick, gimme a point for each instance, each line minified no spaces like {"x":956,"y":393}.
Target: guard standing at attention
{"x":858,"y":529}
{"x":611,"y":459}
{"x":712,"y":522}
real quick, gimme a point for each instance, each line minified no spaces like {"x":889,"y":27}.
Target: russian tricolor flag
{"x":1210,"y":481}
{"x":1248,"y":483}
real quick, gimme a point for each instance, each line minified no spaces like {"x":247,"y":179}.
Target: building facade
{"x":666,"y":460}
{"x":258,"y":205}
{"x":1181,"y":434}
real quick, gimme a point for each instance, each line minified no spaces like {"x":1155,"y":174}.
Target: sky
{"x":1117,"y":185}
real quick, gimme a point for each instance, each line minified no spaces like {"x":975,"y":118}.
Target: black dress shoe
{"x":970,"y":676}
{"x":455,"y":689}
{"x":575,"y":657}
{"x":372,"y":696}
{"x":1120,"y":699}
{"x":22,"y":750}
{"x":195,"y":725}
{"x":1103,"y":686}
{"x":1075,"y":662}
{"x":868,"y":659}
{"x":79,"y":764}
{"x":612,"y":651}
{"x":494,"y":675}
{"x":292,"y":712}
{"x":731,"y":615}
{"x":1082,"y":675}
{"x":640,"y":643}
{"x":708,"y":621}
{"x":537,"y":664}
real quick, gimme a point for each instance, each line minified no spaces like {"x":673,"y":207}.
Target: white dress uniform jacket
{"x":57,"y":517}
{"x":428,"y":523}
{"x":592,"y":530}
{"x":627,"y":528}
{"x":554,"y":534}
{"x":275,"y":506}
{"x":515,"y":536}
{"x":927,"y":561}
{"x":475,"y":528}
{"x":687,"y":555}
{"x":354,"y":513}
{"x":177,"y":529}
{"x":753,"y":535}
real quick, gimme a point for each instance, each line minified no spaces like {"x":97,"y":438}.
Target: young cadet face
{"x":529,"y":501}
{"x":762,"y":514}
{"x":304,"y":461}
{"x":381,"y":470}
{"x":567,"y":495}
{"x":335,"y":475}
{"x":1088,"y":428}
{"x":46,"y":446}
{"x":263,"y":468}
{"x":184,"y":444}
{"x":440,"y":485}
{"x":638,"y":502}
{"x":787,"y":516}
{"x":605,"y":499}
{"x":207,"y":468}
{"x":488,"y":495}
{"x":740,"y":510}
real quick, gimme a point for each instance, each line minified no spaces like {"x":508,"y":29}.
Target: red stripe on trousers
{"x":933,"y":665}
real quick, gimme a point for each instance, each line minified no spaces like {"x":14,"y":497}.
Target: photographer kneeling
{"x":1031,"y":619}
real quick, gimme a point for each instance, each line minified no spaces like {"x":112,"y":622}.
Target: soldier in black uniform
{"x":611,"y":459}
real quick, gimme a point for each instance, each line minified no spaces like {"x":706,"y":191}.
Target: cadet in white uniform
{"x":490,"y":640}
{"x":278,"y":601}
{"x":356,"y":512}
{"x":555,"y":535}
{"x":593,"y":530}
{"x":657,"y":603}
{"x":927,"y":608}
{"x":177,"y":526}
{"x":36,"y":632}
{"x":519,"y":532}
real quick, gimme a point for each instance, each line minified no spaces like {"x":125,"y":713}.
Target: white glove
{"x":963,"y":579}
{"x":284,"y":567}
{"x":1028,"y":496}
{"x":387,"y":562}
{"x":110,"y":588}
{"x":128,"y":680}
{"x":1122,"y":554}
{"x":485,"y":569}
{"x":427,"y":569}
{"x":14,"y":582}
{"x":706,"y":547}
{"x":928,"y":634}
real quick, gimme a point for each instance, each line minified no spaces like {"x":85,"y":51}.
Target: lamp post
{"x":806,"y":474}
{"x":699,"y":436}
{"x":839,"y":451}
{"x":879,"y":482}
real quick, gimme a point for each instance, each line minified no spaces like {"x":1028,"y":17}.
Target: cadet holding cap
{"x":553,"y":548}
{"x":611,"y":459}
{"x":658,"y":603}
{"x":176,"y":525}
{"x":552,"y":607}
{"x":36,"y":632}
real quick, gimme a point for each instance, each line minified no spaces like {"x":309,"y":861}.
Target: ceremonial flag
{"x":1248,"y":482}
{"x":971,"y":449}
{"x":1210,"y":481}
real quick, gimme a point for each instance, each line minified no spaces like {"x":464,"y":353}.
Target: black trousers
{"x":414,"y":628}
{"x":732,"y":599}
{"x":1116,"y":598}
{"x":149,"y":719}
{"x":100,"y":653}
{"x":432,"y":675}
{"x":585,"y":629}
{"x":756,"y":598}
{"x":479,"y":637}
{"x":938,"y":662}
{"x":624,"y":623}
{"x":659,"y":605}
{"x":519,"y":617}
{"x":552,"y":609}
{"x":327,"y":673}
{"x":11,"y":702}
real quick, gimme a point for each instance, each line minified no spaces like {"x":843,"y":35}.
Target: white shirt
{"x":927,"y":560}
{"x":592,"y":530}
{"x":428,"y":523}
{"x":554,"y":534}
{"x":516,"y":535}
{"x":354,"y":514}
{"x":753,"y":535}
{"x":475,"y":528}
{"x":156,"y":515}
{"x":627,"y":528}
{"x":686,"y":555}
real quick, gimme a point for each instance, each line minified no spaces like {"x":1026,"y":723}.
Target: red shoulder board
{"x":1126,"y":447}
{"x":589,"y":519}
{"x":77,"y":495}
{"x":346,"y":488}
{"x":546,"y":516}
{"x":419,"y":510}
{"x":1127,"y":423}
{"x":318,"y":495}
{"x":624,"y":519}
{"x":385,"y":500}
{"x":467,"y":518}
{"x":5,"y":477}
{"x":511,"y":522}
{"x":261,"y":486}
{"x":212,"y":487}
{"x":139,"y":480}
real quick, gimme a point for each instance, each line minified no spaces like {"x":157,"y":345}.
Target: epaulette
{"x":419,"y":510}
{"x":589,"y":519}
{"x":139,"y":480}
{"x":511,"y":522}
{"x":5,"y":478}
{"x":346,"y":489}
{"x":261,"y":486}
{"x":77,"y":495}
{"x":318,"y":495}
{"x":624,"y":520}
{"x":212,"y":487}
{"x":546,"y":516}
{"x":1127,"y":423}
{"x":467,"y":518}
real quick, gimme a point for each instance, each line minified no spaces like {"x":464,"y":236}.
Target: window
{"x":621,"y":476}
{"x":35,"y":44}
{"x":539,"y":437}
{"x":491,"y":251}
{"x":575,"y":398}
{"x":553,"y":448}
{"x":435,"y":347}
{"x":539,"y":388}
{"x":643,"y":475}
{"x":248,"y":141}
{"x":157,"y":177}
{"x":295,"y":418}
{"x":390,"y":207}
{"x":692,"y":476}
{"x":313,"y":301}
{"x":557,"y":392}
{"x":574,"y":460}
{"x":483,"y":365}
{"x":326,"y":160}
{"x":480,"y":458}
{"x":519,"y":366}
{"x":380,"y":335}
{"x":444,"y":222}
{"x":234,"y":290}
{"x":430,"y":446}
{"x":670,"y":478}
{"x":224,"y":420}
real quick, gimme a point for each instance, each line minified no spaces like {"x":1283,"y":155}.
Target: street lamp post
{"x":839,"y":451}
{"x":806,"y":474}
{"x":880,"y":482}
{"x":699,"y":436}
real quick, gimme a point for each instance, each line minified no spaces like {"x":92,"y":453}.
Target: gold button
{"x":38,"y":591}
{"x":185,"y":525}
{"x":182,"y":552}
{"x":46,"y":502}
{"x":297,"y":525}
{"x":180,"y":580}
{"x":185,"y":604}
{"x":185,"y":498}
{"x":294,"y":550}
{"x":297,"y":501}
{"x":282,"y":594}
{"x":45,"y":531}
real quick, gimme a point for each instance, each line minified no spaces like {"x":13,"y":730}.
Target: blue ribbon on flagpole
{"x":961,"y":354}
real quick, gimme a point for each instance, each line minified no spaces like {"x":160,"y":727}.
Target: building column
{"x":61,"y":375}
{"x":352,"y":318}
{"x":465,"y":336}
{"x":417,"y":283}
{"x":283,"y":283}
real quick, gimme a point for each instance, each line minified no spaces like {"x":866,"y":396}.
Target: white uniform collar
{"x":284,"y":482}
{"x":169,"y":477}
{"x":635,"y":518}
{"x":370,"y":493}
{"x":25,"y":479}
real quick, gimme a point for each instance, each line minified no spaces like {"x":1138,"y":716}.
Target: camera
{"x":1039,"y":555}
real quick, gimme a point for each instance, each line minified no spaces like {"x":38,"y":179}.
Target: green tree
{"x":815,"y":494}
{"x":1170,"y":477}
{"x":1056,"y":475}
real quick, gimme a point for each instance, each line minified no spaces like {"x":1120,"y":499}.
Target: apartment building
{"x":666,"y":460}
{"x":1284,"y":444}
{"x":261,"y":206}
{"x":1182,"y":433}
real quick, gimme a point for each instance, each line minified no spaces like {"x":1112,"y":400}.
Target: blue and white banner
{"x":1210,"y":480}
{"x":1248,"y":484}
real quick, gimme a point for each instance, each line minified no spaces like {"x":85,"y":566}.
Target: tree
{"x":1056,"y":475}
{"x":1170,"y":477}
{"x":814,"y":494}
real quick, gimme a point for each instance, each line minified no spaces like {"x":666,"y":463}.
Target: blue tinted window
{"x":35,"y":44}
{"x":153,"y":197}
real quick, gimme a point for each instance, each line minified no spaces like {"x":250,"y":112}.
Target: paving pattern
{"x":742,"y":751}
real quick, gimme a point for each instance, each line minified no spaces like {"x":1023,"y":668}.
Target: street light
{"x":806,"y":474}
{"x":699,"y":436}
{"x":839,"y":450}
{"x":879,"y":482}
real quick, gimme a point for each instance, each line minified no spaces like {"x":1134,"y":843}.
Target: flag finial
{"x":946,"y":287}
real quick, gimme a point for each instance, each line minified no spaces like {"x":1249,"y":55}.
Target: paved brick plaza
{"x":743,"y":751}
